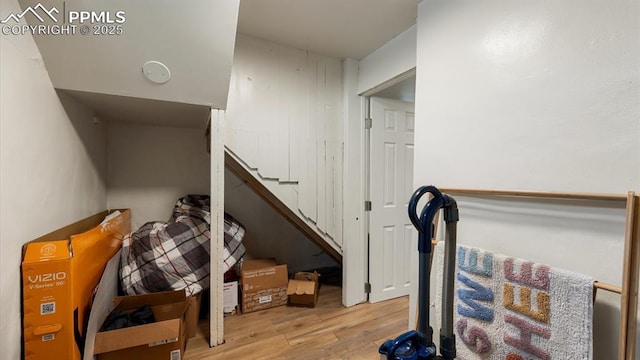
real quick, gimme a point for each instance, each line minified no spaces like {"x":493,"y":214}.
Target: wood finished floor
{"x":328,"y":331}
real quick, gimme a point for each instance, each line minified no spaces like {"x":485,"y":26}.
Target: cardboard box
{"x":163,"y":339}
{"x":60,"y":271}
{"x":264,"y":284}
{"x":102,"y":305}
{"x":230,"y":298}
{"x":303,"y":289}
{"x":193,"y":314}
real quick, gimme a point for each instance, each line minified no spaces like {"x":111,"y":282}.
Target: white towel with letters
{"x":512,"y":309}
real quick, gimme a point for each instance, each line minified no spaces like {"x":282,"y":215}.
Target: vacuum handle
{"x":413,"y":204}
{"x":424,"y":222}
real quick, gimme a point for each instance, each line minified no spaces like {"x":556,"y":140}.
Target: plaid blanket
{"x":174,"y":255}
{"x":233,"y":248}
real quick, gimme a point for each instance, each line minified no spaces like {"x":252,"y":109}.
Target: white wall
{"x":150,"y":167}
{"x":538,"y":96}
{"x":52,"y":170}
{"x":389,"y":61}
{"x":284,"y":120}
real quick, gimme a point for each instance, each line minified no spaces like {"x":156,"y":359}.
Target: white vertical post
{"x":354,"y":246}
{"x":216,"y":320}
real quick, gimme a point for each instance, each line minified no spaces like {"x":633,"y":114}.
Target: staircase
{"x":283,"y":134}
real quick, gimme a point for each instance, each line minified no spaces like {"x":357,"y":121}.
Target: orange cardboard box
{"x":264,"y":284}
{"x":60,"y":271}
{"x":303,"y":289}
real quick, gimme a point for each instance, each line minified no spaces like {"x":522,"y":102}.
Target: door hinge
{"x":367,"y":288}
{"x":368,"y":123}
{"x":367,"y":205}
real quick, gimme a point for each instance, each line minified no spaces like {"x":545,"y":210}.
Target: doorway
{"x":392,"y":240}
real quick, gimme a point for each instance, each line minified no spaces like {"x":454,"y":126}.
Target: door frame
{"x":367,"y":95}
{"x":356,"y":178}
{"x":355,"y":175}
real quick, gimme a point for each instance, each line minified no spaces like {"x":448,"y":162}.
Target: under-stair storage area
{"x":147,"y":167}
{"x":122,"y":117}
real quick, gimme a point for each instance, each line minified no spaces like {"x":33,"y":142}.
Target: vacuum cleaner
{"x":418,"y":344}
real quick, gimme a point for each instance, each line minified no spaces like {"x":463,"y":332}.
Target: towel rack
{"x":630,"y":268}
{"x":607,"y":287}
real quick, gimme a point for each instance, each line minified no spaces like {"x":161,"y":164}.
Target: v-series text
{"x":93,"y":17}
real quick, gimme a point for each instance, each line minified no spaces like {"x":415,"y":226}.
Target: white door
{"x":392,"y":237}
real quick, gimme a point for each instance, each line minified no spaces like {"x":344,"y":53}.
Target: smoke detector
{"x":156,"y":71}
